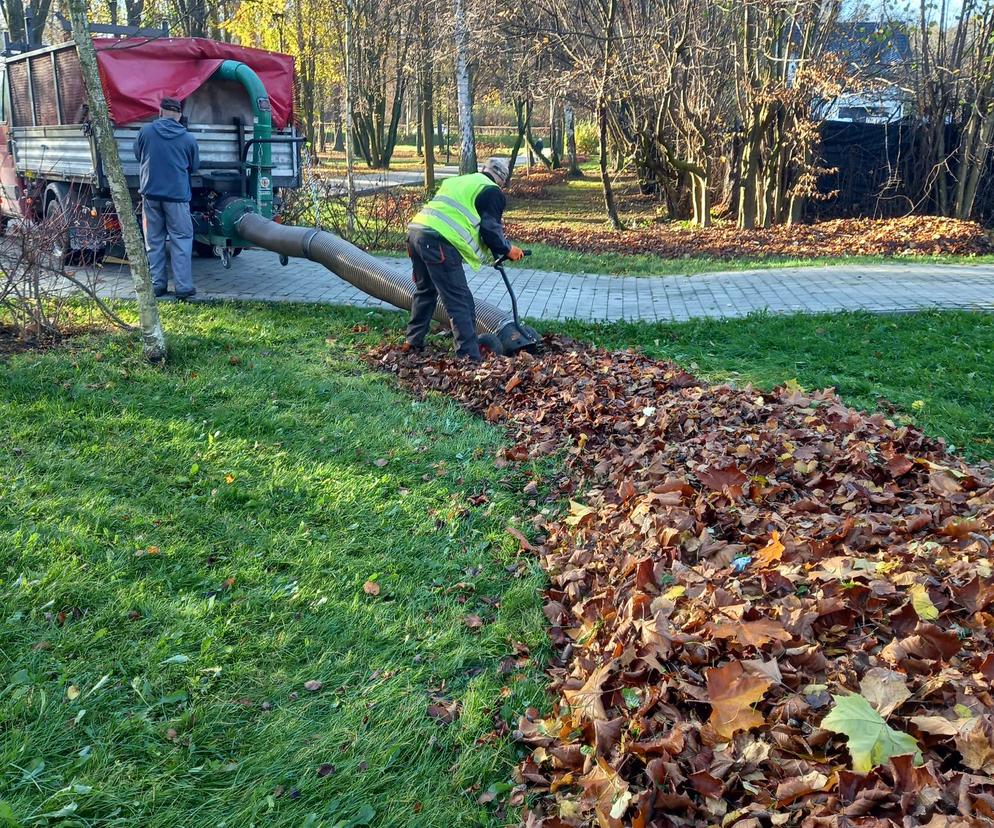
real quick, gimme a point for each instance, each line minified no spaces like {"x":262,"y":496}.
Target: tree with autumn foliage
{"x":310,"y":31}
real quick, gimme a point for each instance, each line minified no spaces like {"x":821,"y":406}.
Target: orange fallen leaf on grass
{"x":732,"y":692}
{"x":519,"y":536}
{"x":494,"y":413}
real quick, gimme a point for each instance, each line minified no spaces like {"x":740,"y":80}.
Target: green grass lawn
{"x":183,"y":549}
{"x":933,"y":369}
{"x":547,"y":257}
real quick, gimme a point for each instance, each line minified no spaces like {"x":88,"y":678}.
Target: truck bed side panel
{"x":65,"y":153}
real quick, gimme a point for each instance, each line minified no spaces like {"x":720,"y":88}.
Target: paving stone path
{"x":890,"y":288}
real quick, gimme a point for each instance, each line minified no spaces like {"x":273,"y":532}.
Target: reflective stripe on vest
{"x":428,"y":210}
{"x":474,"y":219}
{"x":452,"y":214}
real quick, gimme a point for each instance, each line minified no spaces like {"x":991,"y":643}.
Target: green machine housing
{"x":232,"y":190}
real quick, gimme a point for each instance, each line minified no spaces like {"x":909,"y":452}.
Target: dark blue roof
{"x":867,"y":45}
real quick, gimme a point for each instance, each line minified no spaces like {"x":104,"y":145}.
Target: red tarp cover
{"x":137,"y":73}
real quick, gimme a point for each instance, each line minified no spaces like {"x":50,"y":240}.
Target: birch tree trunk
{"x":427,"y":112}
{"x":610,"y":12}
{"x":467,"y":152}
{"x":572,"y":165}
{"x":349,"y":126}
{"x":153,"y":337}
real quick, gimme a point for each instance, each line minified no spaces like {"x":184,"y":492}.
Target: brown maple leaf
{"x":732,"y":692}
{"x":587,"y":700}
{"x":975,"y":742}
{"x":726,"y":478}
{"x":750,"y":633}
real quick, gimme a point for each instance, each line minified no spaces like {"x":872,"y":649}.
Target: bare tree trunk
{"x":519,"y":111}
{"x":749,"y":179}
{"x":339,"y":145}
{"x":419,"y":147}
{"x":15,"y":14}
{"x":153,"y":337}
{"x":572,"y":164}
{"x":135,"y":9}
{"x":349,"y":129}
{"x":467,"y":154}
{"x":533,"y":144}
{"x":554,"y":134}
{"x":609,"y":203}
{"x":427,"y":112}
{"x":975,"y":146}
{"x":610,"y":12}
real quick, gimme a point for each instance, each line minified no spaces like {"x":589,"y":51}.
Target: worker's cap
{"x":497,"y":169}
{"x":170,"y":105}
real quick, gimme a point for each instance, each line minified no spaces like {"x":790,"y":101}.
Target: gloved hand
{"x":516,"y":253}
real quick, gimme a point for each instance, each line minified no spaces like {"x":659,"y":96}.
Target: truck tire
{"x":58,"y":230}
{"x":62,"y":251}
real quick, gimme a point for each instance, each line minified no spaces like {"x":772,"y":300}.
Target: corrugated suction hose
{"x":357,"y":267}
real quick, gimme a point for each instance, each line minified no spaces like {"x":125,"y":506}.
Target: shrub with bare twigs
{"x":46,"y":285}
{"x":377,"y":220}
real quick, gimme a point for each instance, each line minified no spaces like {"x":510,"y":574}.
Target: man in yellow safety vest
{"x":452,"y":228}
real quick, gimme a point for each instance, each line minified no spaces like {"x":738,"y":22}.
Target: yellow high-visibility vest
{"x":452,"y":214}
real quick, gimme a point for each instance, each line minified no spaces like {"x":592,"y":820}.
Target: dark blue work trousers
{"x":438,"y":272}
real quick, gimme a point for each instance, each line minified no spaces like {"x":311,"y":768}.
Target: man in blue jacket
{"x":168,"y":156}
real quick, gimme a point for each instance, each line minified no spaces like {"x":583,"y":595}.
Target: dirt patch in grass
{"x":14,"y":340}
{"x":910,"y":236}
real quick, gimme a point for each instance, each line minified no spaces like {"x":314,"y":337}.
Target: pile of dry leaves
{"x":770,"y":609}
{"x":909,"y":236}
{"x":534,"y":184}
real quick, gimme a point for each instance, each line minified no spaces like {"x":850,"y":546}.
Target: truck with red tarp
{"x":237,"y":103}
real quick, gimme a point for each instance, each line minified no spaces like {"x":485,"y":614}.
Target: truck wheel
{"x":58,"y":228}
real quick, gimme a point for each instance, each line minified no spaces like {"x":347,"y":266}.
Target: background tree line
{"x":712,"y":106}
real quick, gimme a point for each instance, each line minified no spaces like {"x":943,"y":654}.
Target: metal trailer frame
{"x":53,"y":161}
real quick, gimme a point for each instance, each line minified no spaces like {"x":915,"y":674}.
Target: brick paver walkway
{"x":256,"y":275}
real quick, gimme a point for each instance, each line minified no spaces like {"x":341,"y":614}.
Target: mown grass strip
{"x":183,"y":549}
